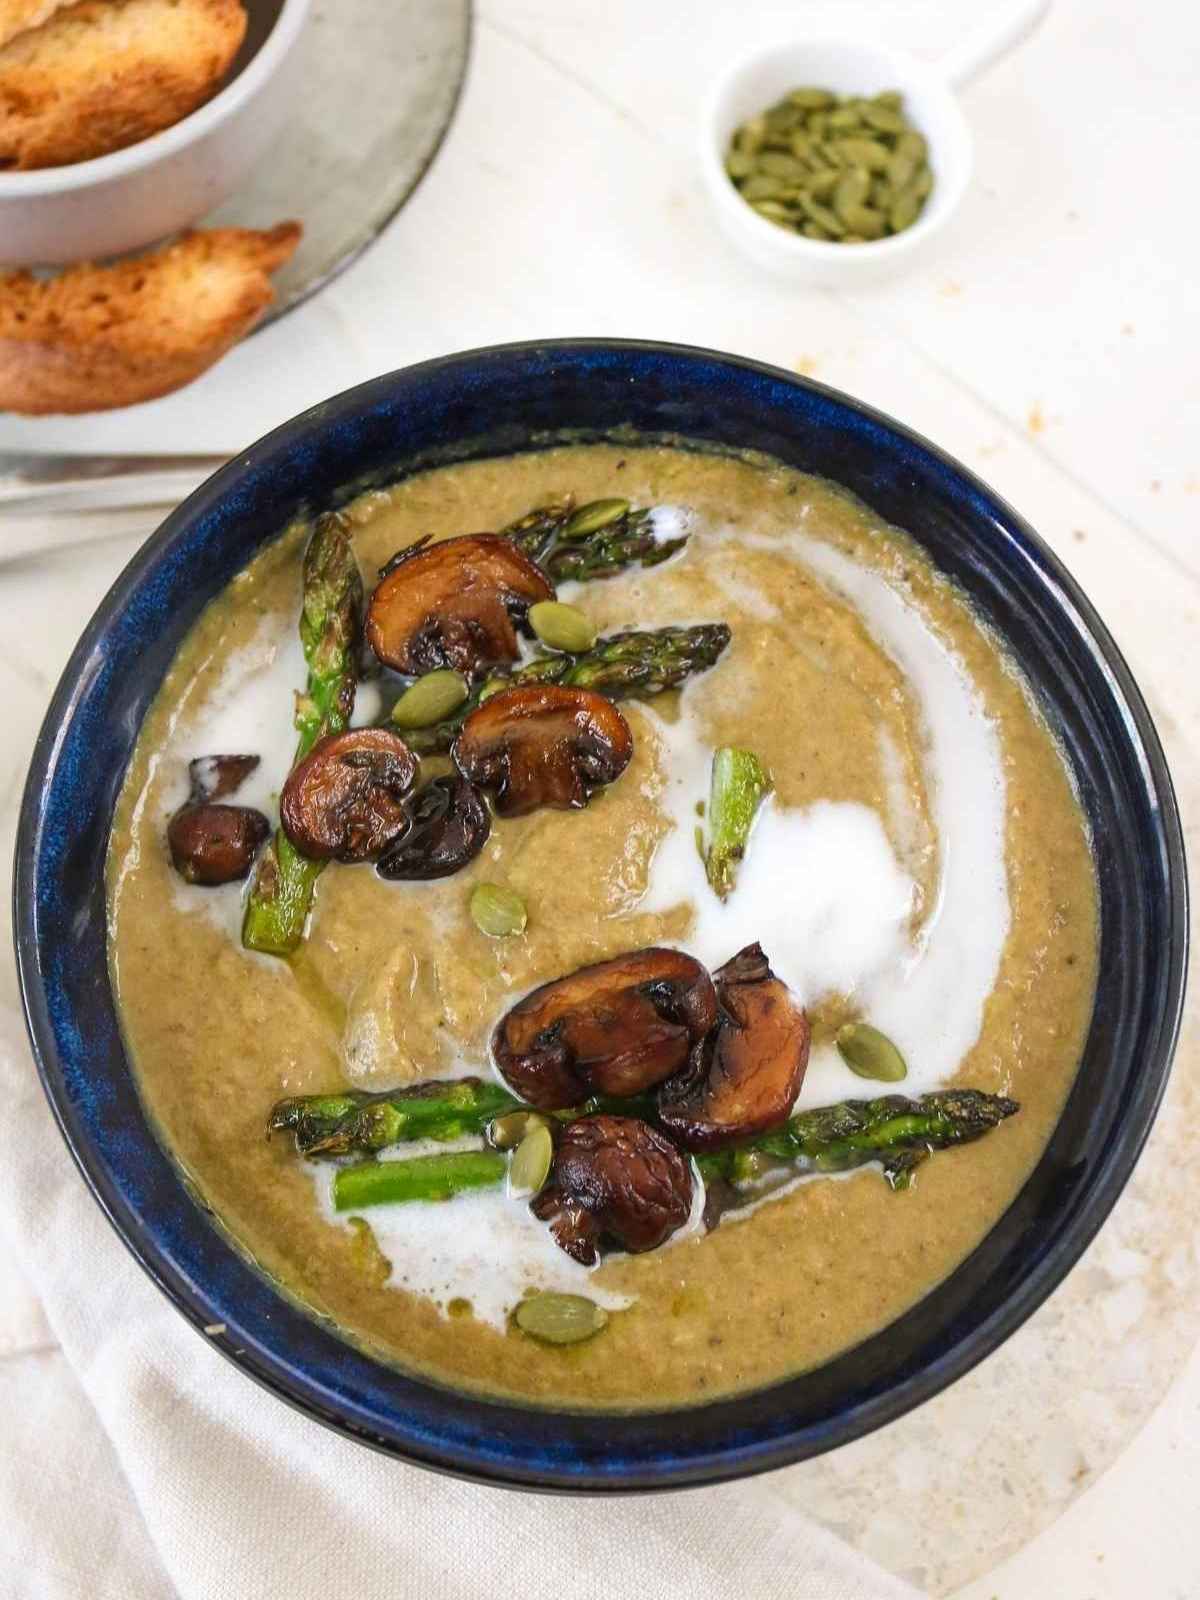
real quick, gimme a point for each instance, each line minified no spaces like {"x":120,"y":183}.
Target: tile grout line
{"x":849,"y":303}
{"x":589,"y":88}
{"x":1015,"y":431}
{"x":27,"y":675}
{"x":1010,"y":427}
{"x":21,"y":1351}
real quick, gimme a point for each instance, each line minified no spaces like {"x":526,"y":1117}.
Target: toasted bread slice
{"x":98,"y":337}
{"x":18,"y":15}
{"x":105,"y":73}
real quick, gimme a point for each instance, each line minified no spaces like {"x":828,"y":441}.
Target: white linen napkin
{"x":143,"y":1465}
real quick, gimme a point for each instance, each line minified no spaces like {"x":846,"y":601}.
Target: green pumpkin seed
{"x":562,"y":627}
{"x":776,"y":165}
{"x":869,"y":1053}
{"x":430,"y":699}
{"x":883,"y":119}
{"x":560,"y":1318}
{"x":506,"y":1132}
{"x":772,"y":210}
{"x":905,"y":210}
{"x":823,"y":217}
{"x":868,"y":153}
{"x":497,"y":911}
{"x":530,"y":1165}
{"x":759,"y":187}
{"x":852,"y":189}
{"x":822,"y":184}
{"x":848,"y":169}
{"x":593,"y":516}
{"x":751,"y":134}
{"x":901,"y":170}
{"x":811,"y":99}
{"x":911,"y":143}
{"x":782,"y":118}
{"x":865,"y":221}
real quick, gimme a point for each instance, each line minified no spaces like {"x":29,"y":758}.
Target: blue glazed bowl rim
{"x":668,"y":1470}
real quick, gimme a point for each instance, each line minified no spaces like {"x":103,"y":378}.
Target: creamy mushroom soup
{"x":660,"y":939}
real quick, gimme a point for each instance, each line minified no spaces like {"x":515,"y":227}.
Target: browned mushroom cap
{"x":742,"y":1079}
{"x":448,"y":825}
{"x":542,"y":745}
{"x":345,"y":800}
{"x":617,"y":1027}
{"x":614,"y":1180}
{"x":215,"y":777}
{"x":213,"y":844}
{"x":452,"y":604}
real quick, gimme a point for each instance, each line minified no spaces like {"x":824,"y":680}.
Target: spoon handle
{"x":36,"y":483}
{"x":994,"y":39}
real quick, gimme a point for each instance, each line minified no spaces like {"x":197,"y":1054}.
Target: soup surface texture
{"x":921,"y":863}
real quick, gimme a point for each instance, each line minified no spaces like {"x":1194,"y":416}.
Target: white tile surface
{"x":1052,"y":345}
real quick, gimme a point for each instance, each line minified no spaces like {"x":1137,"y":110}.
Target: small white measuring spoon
{"x":856,"y":65}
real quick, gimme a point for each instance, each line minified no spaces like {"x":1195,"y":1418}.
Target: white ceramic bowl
{"x":137,"y":195}
{"x":847,"y":66}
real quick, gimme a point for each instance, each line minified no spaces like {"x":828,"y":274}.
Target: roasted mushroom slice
{"x":345,"y":800}
{"x":614,"y":1180}
{"x":216,"y":777}
{"x":540,"y":744}
{"x":743,"y":1078}
{"x":213,"y":844}
{"x":614,"y":1028}
{"x":448,"y":825}
{"x":452,"y":604}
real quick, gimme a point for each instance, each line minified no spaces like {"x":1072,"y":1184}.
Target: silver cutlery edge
{"x":31,"y":483}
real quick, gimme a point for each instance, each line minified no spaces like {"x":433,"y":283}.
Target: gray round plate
{"x":379,"y":82}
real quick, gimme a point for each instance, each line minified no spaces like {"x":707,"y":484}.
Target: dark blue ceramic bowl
{"x":516,"y":398}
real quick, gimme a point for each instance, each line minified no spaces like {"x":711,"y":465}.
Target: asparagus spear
{"x":636,"y":664}
{"x":623,"y":666}
{"x":339,"y":1124}
{"x":897,"y":1132}
{"x":281,"y":893}
{"x":894,"y":1130}
{"x":739,"y":786}
{"x":595,"y":541}
{"x":336,"y":1124}
{"x":437,"y":1177}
